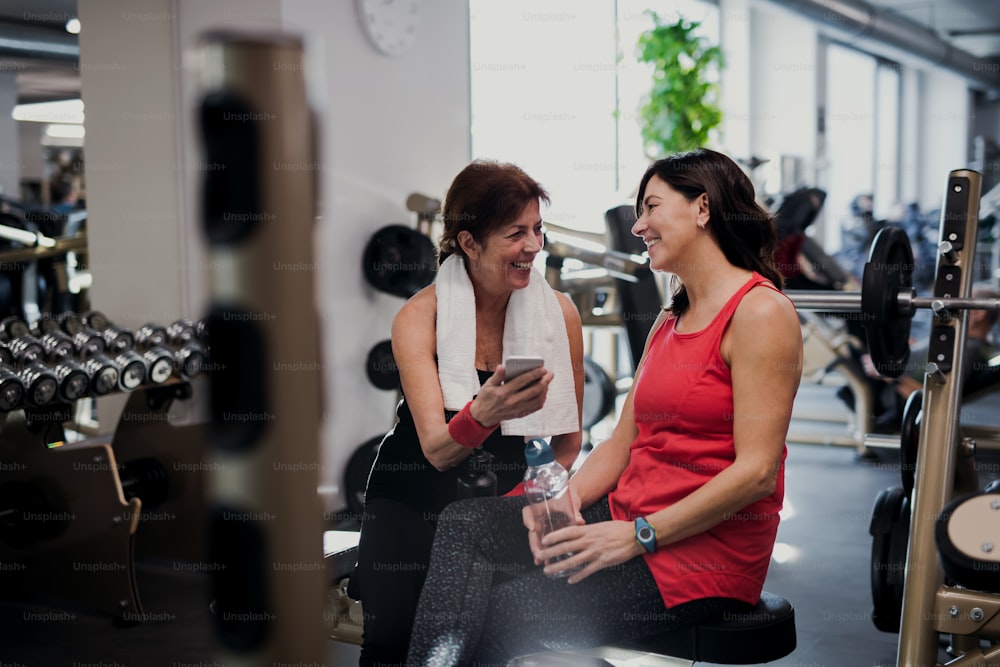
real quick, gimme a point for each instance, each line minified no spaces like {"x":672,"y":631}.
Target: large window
{"x":862,"y":137}
{"x":556,"y":89}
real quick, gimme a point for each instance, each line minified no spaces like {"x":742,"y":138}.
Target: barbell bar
{"x":888,"y":300}
{"x":906,"y":302}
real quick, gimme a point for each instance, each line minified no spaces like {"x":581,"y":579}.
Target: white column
{"x":10,"y":155}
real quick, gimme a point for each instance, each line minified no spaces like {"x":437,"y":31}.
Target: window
{"x":547,"y":79}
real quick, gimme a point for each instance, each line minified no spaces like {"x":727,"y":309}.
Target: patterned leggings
{"x":485,"y":602}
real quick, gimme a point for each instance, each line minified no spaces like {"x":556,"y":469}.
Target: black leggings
{"x":485,"y":602}
{"x":393,"y":552}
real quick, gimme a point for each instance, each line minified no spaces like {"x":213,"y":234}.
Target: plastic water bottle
{"x":546,"y":486}
{"x":475,"y":479}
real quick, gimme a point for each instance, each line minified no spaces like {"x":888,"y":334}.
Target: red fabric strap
{"x":518,"y":490}
{"x":466,"y":431}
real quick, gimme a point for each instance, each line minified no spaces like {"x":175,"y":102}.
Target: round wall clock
{"x":390,"y":25}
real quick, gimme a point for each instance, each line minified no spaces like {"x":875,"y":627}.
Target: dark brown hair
{"x":744,"y":230}
{"x":483,"y":197}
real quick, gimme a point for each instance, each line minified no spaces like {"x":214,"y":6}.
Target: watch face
{"x":391,"y":25}
{"x":645,"y":534}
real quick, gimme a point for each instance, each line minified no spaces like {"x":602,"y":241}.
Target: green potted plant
{"x":681,"y":110}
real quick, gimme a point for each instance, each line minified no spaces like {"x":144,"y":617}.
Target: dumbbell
{"x":103,"y":374}
{"x":150,"y":335}
{"x":70,"y":322}
{"x":11,"y":390}
{"x":124,"y":372}
{"x":59,"y":349}
{"x":87,"y":343}
{"x":45,"y":324}
{"x":25,"y":349}
{"x":116,"y":338}
{"x":41,"y":385}
{"x":180,"y":332}
{"x":57,"y":345}
{"x":189,"y":339}
{"x":96,"y":320}
{"x":73,"y":379}
{"x":178,"y":343}
{"x":11,"y":327}
{"x":132,"y":369}
{"x":182,"y":338}
{"x":151,"y":341}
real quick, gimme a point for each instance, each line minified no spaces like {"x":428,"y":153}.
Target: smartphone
{"x":514,"y":366}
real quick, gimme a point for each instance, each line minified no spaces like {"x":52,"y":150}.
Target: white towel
{"x":534,"y":326}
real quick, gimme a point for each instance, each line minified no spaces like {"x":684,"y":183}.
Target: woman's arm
{"x":414,"y":346}
{"x":567,"y":445}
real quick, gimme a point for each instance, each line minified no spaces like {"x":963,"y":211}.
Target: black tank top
{"x":402,"y":472}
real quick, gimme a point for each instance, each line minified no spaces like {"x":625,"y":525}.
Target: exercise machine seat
{"x":763,"y":634}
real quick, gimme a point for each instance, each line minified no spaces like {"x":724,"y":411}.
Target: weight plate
{"x":888,"y":273}
{"x":909,"y":438}
{"x":381,"y":366}
{"x":359,"y":466}
{"x":399,"y":260}
{"x":962,"y":531}
{"x":890,"y":531}
{"x":598,"y":393}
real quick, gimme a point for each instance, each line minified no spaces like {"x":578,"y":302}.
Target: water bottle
{"x":475,"y":479}
{"x":546,"y":486}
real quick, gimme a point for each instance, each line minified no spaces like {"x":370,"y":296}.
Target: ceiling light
{"x":63,"y":111}
{"x":65,"y":131}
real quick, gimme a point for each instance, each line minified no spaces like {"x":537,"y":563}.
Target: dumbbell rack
{"x":69,"y":529}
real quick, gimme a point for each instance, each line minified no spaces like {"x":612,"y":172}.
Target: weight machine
{"x":935,"y":567}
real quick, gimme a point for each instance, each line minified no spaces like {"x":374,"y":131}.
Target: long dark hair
{"x":744,"y":230}
{"x":483,"y":197}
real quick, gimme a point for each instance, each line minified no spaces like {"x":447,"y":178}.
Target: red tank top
{"x":683,"y":407}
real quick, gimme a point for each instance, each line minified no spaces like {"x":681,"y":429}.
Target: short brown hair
{"x":483,"y":197}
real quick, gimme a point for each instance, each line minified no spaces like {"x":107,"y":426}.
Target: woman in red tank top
{"x":679,"y":507}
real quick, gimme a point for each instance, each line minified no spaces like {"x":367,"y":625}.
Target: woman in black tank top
{"x":492,"y":222}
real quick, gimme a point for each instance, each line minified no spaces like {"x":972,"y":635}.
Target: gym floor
{"x":824,"y":547}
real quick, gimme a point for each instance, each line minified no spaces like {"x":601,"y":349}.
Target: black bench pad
{"x":763,"y":634}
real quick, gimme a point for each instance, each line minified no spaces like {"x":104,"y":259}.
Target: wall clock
{"x":390,"y":25}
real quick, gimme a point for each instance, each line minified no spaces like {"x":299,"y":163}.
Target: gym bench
{"x":763,"y":634}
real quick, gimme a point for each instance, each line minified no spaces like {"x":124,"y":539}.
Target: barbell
{"x":888,"y":300}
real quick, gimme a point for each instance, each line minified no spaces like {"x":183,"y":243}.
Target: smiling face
{"x":670,"y":224}
{"x":503,"y":261}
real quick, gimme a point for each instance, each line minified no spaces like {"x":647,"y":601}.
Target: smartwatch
{"x":645,"y":534}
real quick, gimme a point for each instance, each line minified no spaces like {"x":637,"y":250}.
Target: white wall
{"x":388,"y":127}
{"x":10,"y":155}
{"x":944,"y":117}
{"x":783,"y":90}
{"x":391,"y":126}
{"x":31,"y":152}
